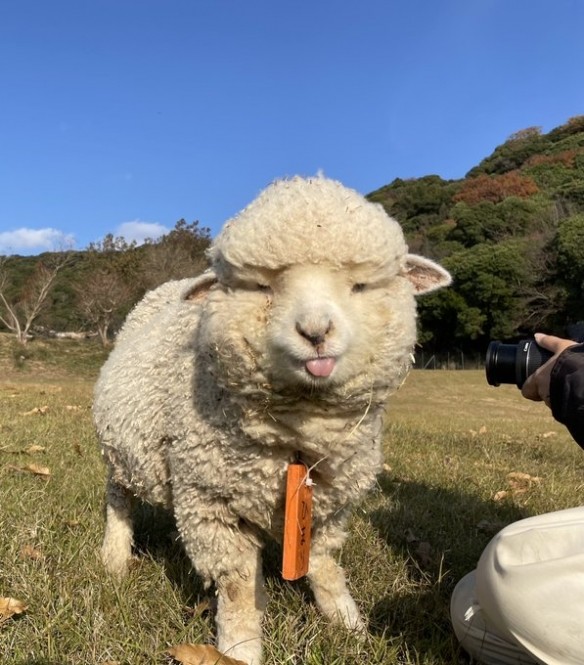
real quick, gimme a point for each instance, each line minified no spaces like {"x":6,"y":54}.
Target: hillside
{"x":512,"y":234}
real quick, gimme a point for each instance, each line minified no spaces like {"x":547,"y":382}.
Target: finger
{"x":553,"y":343}
{"x":530,"y":389}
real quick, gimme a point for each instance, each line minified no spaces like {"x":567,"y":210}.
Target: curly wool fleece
{"x":289,"y":347}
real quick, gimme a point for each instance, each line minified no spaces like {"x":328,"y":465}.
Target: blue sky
{"x":123,"y":116}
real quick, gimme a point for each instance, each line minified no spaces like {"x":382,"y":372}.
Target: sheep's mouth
{"x":320,"y":368}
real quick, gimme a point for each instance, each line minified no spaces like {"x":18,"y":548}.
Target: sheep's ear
{"x":424,"y":274}
{"x":199,"y":288}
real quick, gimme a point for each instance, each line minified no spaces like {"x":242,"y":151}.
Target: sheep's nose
{"x":315,"y":333}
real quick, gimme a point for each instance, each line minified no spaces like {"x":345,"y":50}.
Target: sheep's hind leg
{"x":328,"y":583}
{"x":116,"y":549}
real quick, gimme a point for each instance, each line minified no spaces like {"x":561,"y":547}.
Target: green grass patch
{"x":462,"y":460}
{"x":44,"y":359}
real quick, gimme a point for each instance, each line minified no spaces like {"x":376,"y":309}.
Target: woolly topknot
{"x":309,"y":220}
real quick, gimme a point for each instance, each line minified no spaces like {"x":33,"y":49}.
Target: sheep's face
{"x":314,"y":329}
{"x":327,"y":326}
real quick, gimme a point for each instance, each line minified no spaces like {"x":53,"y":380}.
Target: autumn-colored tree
{"x":495,"y":188}
{"x":566,"y":158}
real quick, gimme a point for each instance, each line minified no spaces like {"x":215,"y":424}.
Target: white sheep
{"x":288,"y":348}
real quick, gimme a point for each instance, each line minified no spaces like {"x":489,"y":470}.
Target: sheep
{"x":286,"y":349}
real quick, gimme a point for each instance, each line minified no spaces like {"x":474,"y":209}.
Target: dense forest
{"x":511,"y":232}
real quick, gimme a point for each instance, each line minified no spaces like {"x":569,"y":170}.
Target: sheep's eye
{"x":359,"y":287}
{"x":264,"y":288}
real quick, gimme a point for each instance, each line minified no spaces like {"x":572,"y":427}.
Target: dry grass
{"x":450,"y":446}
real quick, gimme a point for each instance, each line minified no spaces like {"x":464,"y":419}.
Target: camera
{"x":513,"y":363}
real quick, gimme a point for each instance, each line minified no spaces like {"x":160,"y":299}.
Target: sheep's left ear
{"x":424,"y":274}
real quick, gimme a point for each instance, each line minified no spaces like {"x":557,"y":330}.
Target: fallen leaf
{"x":387,"y":468}
{"x":40,"y":410}
{"x":38,"y":470}
{"x":10,"y":606}
{"x":201,"y":654}
{"x":29,"y":552}
{"x":31,"y":450}
{"x":500,"y":495}
{"x":519,"y":482}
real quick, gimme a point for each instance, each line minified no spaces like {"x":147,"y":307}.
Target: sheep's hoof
{"x":115,"y":562}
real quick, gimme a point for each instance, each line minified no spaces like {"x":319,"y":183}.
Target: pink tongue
{"x":320,"y":366}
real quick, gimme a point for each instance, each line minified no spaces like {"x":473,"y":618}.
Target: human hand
{"x":537,"y":386}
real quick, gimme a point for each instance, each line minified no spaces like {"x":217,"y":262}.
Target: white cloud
{"x":33,"y":241}
{"x":139,"y":231}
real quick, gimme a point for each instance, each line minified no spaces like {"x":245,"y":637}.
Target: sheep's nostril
{"x":314,"y":334}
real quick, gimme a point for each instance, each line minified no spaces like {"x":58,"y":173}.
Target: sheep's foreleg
{"x":240,"y":607}
{"x":328,"y":583}
{"x":116,"y":549}
{"x":222,"y":549}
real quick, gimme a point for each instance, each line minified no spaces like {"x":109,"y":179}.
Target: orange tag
{"x":297,"y":523}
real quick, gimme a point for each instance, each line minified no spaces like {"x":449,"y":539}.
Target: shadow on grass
{"x":440,"y":533}
{"x":156,"y":536}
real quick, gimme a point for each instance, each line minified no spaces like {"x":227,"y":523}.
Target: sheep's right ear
{"x":199,"y":289}
{"x":425,"y":275}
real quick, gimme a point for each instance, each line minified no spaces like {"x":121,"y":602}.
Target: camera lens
{"x":500,"y":363}
{"x":513,"y":363}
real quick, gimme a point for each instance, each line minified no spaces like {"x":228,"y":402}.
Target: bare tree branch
{"x":19,"y":312}
{"x":100,"y":297}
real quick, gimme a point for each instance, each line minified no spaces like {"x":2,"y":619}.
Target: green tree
{"x":570,"y":263}
{"x":491,"y":296}
{"x":417,"y":203}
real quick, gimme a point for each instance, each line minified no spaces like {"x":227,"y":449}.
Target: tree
{"x":569,"y":245}
{"x":417,"y":203}
{"x":108,"y":285}
{"x":19,"y":311}
{"x":490,"y":298}
{"x":178,"y":254}
{"x":495,"y":188}
{"x":100,"y":298}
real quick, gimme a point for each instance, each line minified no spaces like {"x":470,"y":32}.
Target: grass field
{"x":462,"y":460}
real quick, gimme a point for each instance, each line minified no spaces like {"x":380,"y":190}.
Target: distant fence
{"x":449,"y":360}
